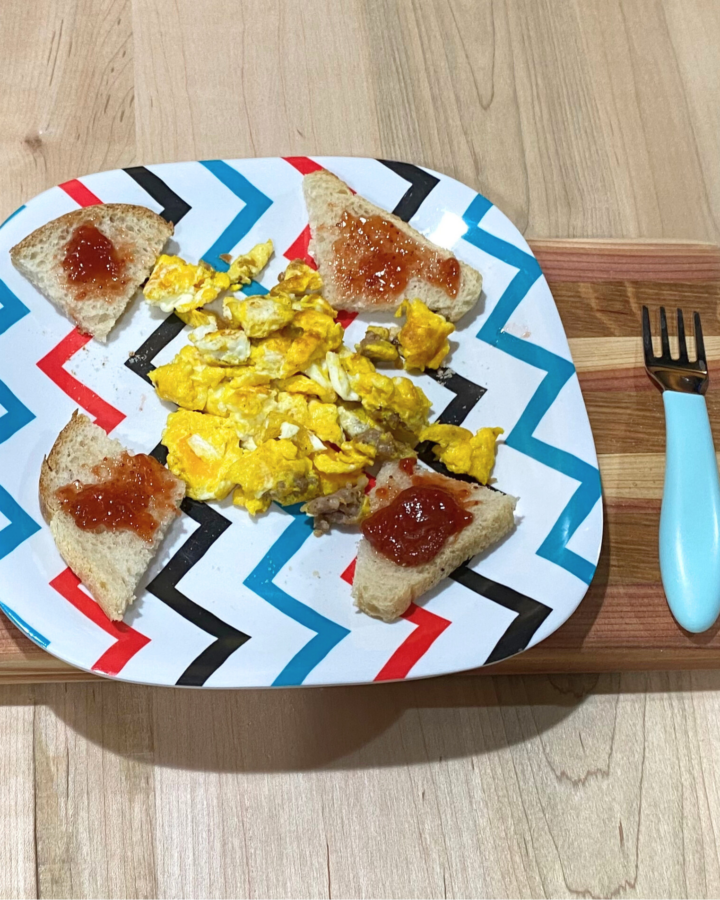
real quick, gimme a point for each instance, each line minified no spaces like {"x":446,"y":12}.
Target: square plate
{"x":236,"y":602}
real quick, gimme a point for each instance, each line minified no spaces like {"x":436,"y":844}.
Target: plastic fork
{"x":690,"y":514}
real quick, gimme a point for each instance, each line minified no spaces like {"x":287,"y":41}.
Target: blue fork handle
{"x":690,"y":517}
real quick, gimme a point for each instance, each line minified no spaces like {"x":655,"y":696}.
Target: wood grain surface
{"x":580,"y":119}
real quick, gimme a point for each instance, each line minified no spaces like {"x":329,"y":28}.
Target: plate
{"x":236,"y":602}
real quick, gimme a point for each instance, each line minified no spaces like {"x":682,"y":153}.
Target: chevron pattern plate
{"x":232,"y":602}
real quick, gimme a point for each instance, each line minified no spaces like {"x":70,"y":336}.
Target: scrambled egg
{"x":222,"y":347}
{"x":378,"y":344}
{"x":187,"y":379}
{"x":197,"y":318}
{"x":249,"y":409}
{"x":274,"y":471}
{"x":259,"y":316}
{"x":246,"y":267}
{"x":302,"y":384}
{"x":352,"y":456}
{"x":316,"y":302}
{"x":180,"y":286}
{"x":462,"y":451}
{"x":297,"y":279}
{"x":423,"y":338}
{"x":315,"y":334}
{"x":354,"y":420}
{"x":202,"y":450}
{"x":273,"y":405}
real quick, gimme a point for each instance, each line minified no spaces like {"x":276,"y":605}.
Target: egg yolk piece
{"x":274,"y":471}
{"x":351,"y":457}
{"x":249,"y":265}
{"x":298,"y":278}
{"x":187,"y":380}
{"x":202,"y":450}
{"x":463,"y":452}
{"x":177,"y":285}
{"x":423,"y":338}
{"x":393,"y":401}
{"x":259,"y":316}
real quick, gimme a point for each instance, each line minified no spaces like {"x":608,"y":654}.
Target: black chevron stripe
{"x":467,"y":394}
{"x":173,"y":206}
{"x":141,"y":360}
{"x":530,"y":613}
{"x":160,"y":453}
{"x":421,"y":183}
{"x":164,"y":587}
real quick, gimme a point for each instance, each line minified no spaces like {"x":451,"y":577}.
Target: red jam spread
{"x":372,"y":256}
{"x":92,"y":262}
{"x":132,"y":494}
{"x":407,"y":464}
{"x":415,"y":526}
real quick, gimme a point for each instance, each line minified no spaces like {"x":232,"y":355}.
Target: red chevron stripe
{"x":106,"y":416}
{"x":429,"y":628}
{"x":128,"y":641}
{"x":80,"y":194}
{"x":303,"y":164}
{"x":349,"y":574}
{"x":299,"y":248}
{"x":345,"y":317}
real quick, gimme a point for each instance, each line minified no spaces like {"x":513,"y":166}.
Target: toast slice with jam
{"x":370,"y":259}
{"x":421,"y":527}
{"x":108,"y":510}
{"x":90,"y":262}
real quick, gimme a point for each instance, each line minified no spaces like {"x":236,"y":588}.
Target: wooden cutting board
{"x":623,"y":623}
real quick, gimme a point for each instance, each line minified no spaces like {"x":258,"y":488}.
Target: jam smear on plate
{"x":372,"y":256}
{"x":131,"y":494}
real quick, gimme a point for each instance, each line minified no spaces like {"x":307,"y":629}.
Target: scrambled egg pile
{"x":461,"y":451}
{"x":273,"y":406}
{"x":420,"y":344}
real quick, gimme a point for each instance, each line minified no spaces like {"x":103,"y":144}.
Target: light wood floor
{"x":585,"y":118}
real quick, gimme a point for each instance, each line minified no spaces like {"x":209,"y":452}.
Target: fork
{"x":690,"y":514}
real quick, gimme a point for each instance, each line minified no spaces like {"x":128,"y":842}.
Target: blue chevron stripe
{"x":26,"y":629}
{"x":12,"y":309}
{"x":558,"y":372}
{"x":12,"y":215}
{"x":260,"y":580}
{"x":16,"y":414}
{"x":20,"y":526}
{"x":256,"y":205}
{"x":254,"y":289}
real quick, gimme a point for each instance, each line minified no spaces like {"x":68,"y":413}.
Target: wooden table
{"x":584,"y":119}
